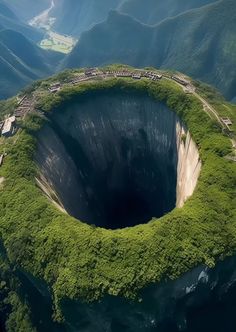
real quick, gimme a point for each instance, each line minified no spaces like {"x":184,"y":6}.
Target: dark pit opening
{"x":111,"y":159}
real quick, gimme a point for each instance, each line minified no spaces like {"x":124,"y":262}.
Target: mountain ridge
{"x":199,"y":42}
{"x":160,"y":10}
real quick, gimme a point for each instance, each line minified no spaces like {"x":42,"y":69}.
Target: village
{"x":27,"y":103}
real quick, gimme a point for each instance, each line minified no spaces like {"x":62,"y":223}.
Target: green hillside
{"x":200,"y":42}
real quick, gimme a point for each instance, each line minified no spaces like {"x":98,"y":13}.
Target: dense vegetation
{"x":14,"y":309}
{"x":78,"y":261}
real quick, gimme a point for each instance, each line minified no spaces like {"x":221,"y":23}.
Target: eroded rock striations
{"x":117,"y":160}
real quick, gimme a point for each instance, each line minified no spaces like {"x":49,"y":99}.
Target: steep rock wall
{"x":189,"y":165}
{"x":117,"y":160}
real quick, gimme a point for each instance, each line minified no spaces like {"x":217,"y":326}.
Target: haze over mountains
{"x":154,"y":11}
{"x":200,"y":42}
{"x":10,"y":20}
{"x":21,"y":60}
{"x":197,"y":37}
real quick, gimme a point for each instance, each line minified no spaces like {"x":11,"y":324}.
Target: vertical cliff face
{"x":189,"y":165}
{"x":117,"y":160}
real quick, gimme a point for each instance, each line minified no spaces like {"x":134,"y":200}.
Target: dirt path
{"x":208,"y":109}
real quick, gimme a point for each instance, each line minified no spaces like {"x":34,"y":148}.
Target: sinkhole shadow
{"x":112,"y":159}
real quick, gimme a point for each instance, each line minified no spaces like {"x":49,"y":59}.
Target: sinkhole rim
{"x":151,"y":252}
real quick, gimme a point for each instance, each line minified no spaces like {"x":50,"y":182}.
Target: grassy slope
{"x":80,"y":261}
{"x":200,"y":43}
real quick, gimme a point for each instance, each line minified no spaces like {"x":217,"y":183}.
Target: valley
{"x":52,"y":40}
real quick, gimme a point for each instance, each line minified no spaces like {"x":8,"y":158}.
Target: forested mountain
{"x":200,"y":42}
{"x":21,"y":62}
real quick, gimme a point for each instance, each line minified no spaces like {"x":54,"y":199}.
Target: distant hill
{"x":200,"y":42}
{"x":154,"y":11}
{"x":9,"y":20}
{"x":21,"y":62}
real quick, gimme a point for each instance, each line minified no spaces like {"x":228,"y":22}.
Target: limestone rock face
{"x":189,"y":166}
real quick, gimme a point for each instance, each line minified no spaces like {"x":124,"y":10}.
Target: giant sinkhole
{"x":113,"y":159}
